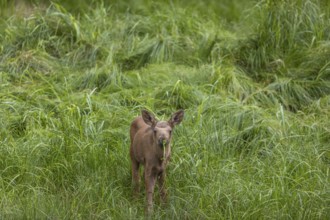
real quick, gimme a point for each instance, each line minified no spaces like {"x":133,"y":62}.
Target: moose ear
{"x":176,"y":118}
{"x":148,"y":118}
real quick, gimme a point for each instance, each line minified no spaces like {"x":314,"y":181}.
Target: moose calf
{"x":150,"y":146}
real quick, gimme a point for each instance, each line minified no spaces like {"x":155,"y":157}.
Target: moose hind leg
{"x":135,"y":178}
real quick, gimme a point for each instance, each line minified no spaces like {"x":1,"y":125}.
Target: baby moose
{"x":150,"y":146}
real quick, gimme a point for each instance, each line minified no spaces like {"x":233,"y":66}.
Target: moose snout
{"x":163,"y":141}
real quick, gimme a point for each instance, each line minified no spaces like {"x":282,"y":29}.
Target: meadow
{"x":252,"y":76}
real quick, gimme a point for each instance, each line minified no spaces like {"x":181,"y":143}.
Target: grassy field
{"x":252,"y":76}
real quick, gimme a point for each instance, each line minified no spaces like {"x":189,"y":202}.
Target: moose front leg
{"x":150,"y":181}
{"x":161,"y":184}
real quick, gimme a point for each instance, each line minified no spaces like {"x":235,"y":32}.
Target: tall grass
{"x":253,"y":78}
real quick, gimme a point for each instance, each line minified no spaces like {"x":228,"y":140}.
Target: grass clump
{"x":252,"y":77}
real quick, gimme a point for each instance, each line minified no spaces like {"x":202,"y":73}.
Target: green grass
{"x":253,"y":78}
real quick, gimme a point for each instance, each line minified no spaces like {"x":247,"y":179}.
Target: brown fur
{"x":147,"y":138}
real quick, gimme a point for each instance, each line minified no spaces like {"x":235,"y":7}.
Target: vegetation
{"x":253,"y":78}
